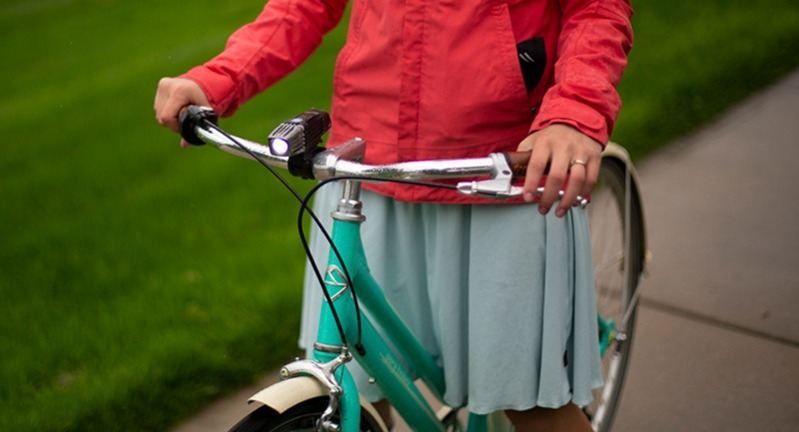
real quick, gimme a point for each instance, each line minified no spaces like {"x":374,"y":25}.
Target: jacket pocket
{"x":532,"y":60}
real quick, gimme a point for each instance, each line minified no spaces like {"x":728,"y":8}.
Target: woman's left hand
{"x":566,"y":152}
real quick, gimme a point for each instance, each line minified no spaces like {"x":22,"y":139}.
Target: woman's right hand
{"x":172,"y":97}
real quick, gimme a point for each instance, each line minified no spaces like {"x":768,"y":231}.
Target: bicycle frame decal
{"x":335,"y":278}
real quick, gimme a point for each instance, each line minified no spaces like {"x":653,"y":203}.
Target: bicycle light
{"x":300,"y":134}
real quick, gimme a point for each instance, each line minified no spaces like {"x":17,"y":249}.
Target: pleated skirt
{"x":501,"y":296}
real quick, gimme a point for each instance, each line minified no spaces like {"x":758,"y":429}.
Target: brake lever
{"x":500,"y":186}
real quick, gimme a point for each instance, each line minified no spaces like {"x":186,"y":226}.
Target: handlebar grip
{"x":518,"y":162}
{"x":193,"y":117}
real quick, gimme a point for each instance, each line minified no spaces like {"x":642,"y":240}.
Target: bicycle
{"x":319,"y":393}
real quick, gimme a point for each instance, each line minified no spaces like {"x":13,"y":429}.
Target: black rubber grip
{"x":192,"y":117}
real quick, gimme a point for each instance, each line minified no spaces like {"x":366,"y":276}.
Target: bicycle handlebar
{"x":198,"y":125}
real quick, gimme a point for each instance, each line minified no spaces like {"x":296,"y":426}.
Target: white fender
{"x":285,"y":394}
{"x":288,"y":393}
{"x":613,"y":150}
{"x":616,"y":151}
{"x":619,"y":152}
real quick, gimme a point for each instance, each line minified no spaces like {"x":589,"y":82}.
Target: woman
{"x":421,"y":79}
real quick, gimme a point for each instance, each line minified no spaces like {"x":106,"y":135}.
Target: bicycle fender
{"x":615,"y":151}
{"x":285,"y":394}
{"x":288,"y":393}
{"x":619,"y":152}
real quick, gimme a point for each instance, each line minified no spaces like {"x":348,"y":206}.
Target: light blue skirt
{"x":501,"y":296}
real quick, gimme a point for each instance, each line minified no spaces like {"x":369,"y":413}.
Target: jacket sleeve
{"x":262,"y":52}
{"x":596,"y":36}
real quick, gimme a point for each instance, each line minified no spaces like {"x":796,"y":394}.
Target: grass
{"x":693,"y":59}
{"x":139,"y":281}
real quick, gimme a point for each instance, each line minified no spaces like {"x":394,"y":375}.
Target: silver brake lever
{"x":489,"y":189}
{"x":500,"y":185}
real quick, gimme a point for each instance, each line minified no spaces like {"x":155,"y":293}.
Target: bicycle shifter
{"x":299,"y":139}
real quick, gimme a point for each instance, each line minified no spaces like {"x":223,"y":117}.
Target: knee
{"x":566,"y":418}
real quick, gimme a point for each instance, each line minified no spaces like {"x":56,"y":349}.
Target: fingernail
{"x":543,"y":210}
{"x":560,"y":213}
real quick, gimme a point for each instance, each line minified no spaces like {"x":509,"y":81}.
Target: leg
{"x":568,"y":418}
{"x":384,"y":409}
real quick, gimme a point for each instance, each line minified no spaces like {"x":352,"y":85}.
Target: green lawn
{"x":693,"y":59}
{"x":138,"y":280}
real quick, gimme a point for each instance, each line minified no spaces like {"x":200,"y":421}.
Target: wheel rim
{"x":614,"y":286}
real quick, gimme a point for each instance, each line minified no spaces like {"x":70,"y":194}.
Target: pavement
{"x":717,"y":341}
{"x":717,"y":347}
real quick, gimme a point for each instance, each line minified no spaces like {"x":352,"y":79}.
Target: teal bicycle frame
{"x":377,"y":359}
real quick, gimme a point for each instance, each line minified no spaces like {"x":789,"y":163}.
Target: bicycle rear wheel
{"x":301,"y":417}
{"x":617,"y":242}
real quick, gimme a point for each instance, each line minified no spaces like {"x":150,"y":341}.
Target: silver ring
{"x":578,"y":162}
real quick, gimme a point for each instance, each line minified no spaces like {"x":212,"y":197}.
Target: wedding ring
{"x":578,"y":162}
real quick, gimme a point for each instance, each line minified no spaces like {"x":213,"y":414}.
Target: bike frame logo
{"x":336,"y":281}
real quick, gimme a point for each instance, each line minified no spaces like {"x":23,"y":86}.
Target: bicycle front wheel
{"x":301,"y":417}
{"x":617,"y":242}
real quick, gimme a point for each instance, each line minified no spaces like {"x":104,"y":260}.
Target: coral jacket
{"x":436,"y":79}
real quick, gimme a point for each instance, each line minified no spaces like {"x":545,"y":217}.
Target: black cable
{"x":304,"y":241}
{"x":299,"y":198}
{"x":304,"y":207}
{"x":303,"y":238}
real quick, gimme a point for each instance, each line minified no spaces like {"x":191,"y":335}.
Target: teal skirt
{"x":501,"y":296}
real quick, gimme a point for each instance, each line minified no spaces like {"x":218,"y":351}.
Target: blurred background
{"x":139,"y":281}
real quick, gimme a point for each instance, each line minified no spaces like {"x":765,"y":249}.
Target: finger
{"x":536,"y":167}
{"x":171,"y":111}
{"x":162,"y":95}
{"x":158,"y":102}
{"x":577,"y":175}
{"x":161,"y":92}
{"x":592,"y":174}
{"x":558,"y":171}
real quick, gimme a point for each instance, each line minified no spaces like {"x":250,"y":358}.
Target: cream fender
{"x":288,"y":393}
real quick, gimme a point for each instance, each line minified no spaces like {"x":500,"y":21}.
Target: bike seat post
{"x":349,"y":207}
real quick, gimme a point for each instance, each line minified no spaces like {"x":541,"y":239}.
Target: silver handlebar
{"x":343,"y":161}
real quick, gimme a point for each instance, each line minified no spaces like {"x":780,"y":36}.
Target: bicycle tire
{"x":300,"y":417}
{"x":617,"y":274}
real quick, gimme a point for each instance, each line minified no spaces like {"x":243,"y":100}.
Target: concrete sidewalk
{"x":717,"y":346}
{"x":717,"y":342}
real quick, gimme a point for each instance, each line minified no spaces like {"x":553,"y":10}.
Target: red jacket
{"x":433,"y":79}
